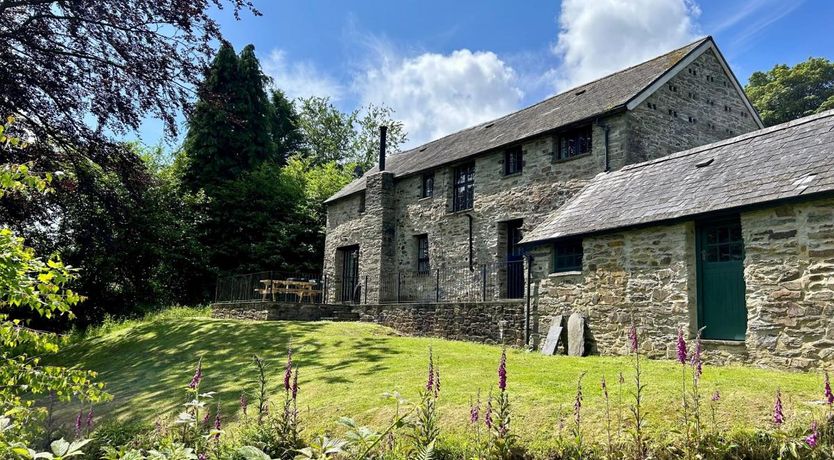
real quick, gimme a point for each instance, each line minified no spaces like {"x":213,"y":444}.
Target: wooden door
{"x":721,"y":292}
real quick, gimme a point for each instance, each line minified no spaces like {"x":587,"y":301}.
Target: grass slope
{"x":345,"y":368}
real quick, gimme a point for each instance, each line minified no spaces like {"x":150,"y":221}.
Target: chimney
{"x":383,"y":132}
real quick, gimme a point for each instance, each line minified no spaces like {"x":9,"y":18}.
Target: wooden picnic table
{"x":300,"y":289}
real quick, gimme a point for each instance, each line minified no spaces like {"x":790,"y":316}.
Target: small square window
{"x":574,"y":143}
{"x":567,"y":256}
{"x":428,"y":185}
{"x":513,"y":160}
{"x":423,"y":265}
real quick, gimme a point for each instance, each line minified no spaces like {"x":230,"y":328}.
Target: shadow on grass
{"x":148,"y":367}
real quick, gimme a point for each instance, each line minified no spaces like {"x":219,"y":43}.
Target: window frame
{"x":576,"y":135}
{"x":513,"y":160}
{"x":571,"y":259}
{"x":427,"y":192}
{"x":423,"y":257}
{"x":463,"y":187}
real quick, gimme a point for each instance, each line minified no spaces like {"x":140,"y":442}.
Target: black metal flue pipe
{"x":383,"y":134}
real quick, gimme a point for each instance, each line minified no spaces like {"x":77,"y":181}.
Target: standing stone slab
{"x":551,"y":343}
{"x":576,"y":334}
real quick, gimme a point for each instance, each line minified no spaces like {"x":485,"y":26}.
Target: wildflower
{"x":502,"y":371}
{"x":217,"y":422}
{"x":436,"y":381}
{"x":778,"y":414}
{"x":202,"y":457}
{"x":812,"y":438}
{"x":78,"y":423}
{"x":697,"y":362}
{"x":206,"y":419}
{"x":288,"y":370}
{"x":632,"y":337}
{"x":294,"y":389}
{"x":198,"y":376}
{"x":577,"y":402}
{"x":716,"y":396}
{"x":604,"y":388}
{"x":244,"y":403}
{"x":474,"y":410}
{"x":430,"y":379}
{"x":681,"y":347}
{"x":89,"y":422}
{"x":488,"y":414}
{"x":829,"y":396}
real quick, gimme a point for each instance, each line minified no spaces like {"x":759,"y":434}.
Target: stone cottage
{"x":735,"y":238}
{"x":443,"y":221}
{"x":651,"y":195}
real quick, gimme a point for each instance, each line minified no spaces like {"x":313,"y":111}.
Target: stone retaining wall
{"x":486,"y":322}
{"x":275,"y":311}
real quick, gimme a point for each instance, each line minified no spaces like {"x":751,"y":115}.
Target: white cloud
{"x":436,"y":94}
{"x":602,"y":36}
{"x":301,"y":78}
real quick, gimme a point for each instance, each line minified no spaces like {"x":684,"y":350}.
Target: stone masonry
{"x":697,"y":106}
{"x":648,"y":276}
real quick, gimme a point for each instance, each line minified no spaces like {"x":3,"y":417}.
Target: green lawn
{"x":345,"y":368}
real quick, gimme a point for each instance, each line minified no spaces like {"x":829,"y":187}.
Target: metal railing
{"x":271,"y":286}
{"x":480,"y":283}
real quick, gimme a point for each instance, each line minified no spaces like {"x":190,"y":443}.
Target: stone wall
{"x":543,"y":186}
{"x":789,"y":277}
{"x":278,"y":311}
{"x":641,"y":276}
{"x":696,"y":107}
{"x":648,"y":275}
{"x":486,"y":322}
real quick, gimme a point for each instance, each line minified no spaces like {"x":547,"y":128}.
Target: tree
{"x":230,"y":130}
{"x":286,"y":135}
{"x":332,"y":135}
{"x":37,"y":286}
{"x":111,"y":63}
{"x":786,"y":93}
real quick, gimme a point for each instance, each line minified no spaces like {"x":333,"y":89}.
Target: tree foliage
{"x":332,"y":135}
{"x":230,"y":130}
{"x":38,"y":286}
{"x":786,"y":93}
{"x":110,"y":63}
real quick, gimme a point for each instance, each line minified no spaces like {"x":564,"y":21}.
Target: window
{"x":464,"y":187}
{"x":567,"y":256}
{"x":574,"y":143}
{"x":362,"y":203}
{"x":513,"y":160}
{"x":423,"y":254}
{"x":428,"y":185}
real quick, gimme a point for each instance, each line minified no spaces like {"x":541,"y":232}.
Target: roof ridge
{"x":588,"y":83}
{"x":731,"y":140}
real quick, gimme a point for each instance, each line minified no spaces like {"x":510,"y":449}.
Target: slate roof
{"x":592,"y":99}
{"x":785,"y":161}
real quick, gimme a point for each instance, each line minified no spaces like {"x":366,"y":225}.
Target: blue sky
{"x":446,"y":65}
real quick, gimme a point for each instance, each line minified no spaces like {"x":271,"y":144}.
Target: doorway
{"x":350,"y":273}
{"x":722,"y":310}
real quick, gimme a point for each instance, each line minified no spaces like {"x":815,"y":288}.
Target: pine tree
{"x":255,"y":138}
{"x":209,"y":143}
{"x":229,"y":131}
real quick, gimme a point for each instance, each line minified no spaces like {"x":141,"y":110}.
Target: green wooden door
{"x":721,"y":306}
